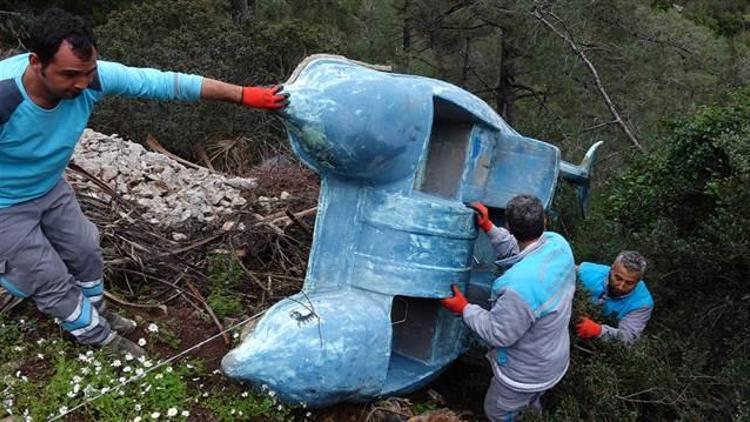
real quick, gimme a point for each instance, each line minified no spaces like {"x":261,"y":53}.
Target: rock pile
{"x":170,"y":192}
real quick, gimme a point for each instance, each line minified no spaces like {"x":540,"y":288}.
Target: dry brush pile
{"x":161,"y":218}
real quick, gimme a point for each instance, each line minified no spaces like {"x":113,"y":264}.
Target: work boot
{"x":118,"y":323}
{"x":117,"y":344}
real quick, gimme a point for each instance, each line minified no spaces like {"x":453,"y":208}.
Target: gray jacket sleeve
{"x":504,"y":243}
{"x":630,"y":327}
{"x":501,"y":326}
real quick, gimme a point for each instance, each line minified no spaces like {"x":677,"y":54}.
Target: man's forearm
{"x":629,"y":328}
{"x":213,"y":90}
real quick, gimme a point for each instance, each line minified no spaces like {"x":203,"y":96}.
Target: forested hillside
{"x":666,"y":85}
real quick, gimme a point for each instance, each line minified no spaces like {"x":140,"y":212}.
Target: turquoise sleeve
{"x":137,"y":82}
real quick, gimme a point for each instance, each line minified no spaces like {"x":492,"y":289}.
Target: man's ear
{"x":34,"y":61}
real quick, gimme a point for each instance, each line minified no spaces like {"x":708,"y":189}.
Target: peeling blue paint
{"x":398,"y":157}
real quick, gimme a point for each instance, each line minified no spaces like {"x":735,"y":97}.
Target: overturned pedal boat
{"x":398,"y":157}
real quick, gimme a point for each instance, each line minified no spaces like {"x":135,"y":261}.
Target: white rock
{"x":170,"y":192}
{"x":179,"y":236}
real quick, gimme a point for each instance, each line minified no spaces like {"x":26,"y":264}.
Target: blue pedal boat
{"x":398,"y":156}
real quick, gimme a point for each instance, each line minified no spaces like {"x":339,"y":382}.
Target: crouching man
{"x":622,"y":294}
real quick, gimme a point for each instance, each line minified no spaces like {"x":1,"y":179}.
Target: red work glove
{"x":587,"y":328}
{"x":457,"y":303}
{"x":483,"y":216}
{"x":269,"y":98}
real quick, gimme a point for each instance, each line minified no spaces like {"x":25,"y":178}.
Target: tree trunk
{"x":466,"y":65}
{"x":242,"y":10}
{"x":406,"y":34}
{"x":504,"y":96}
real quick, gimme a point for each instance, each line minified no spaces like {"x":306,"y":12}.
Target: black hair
{"x":54,"y":26}
{"x":525,"y":217}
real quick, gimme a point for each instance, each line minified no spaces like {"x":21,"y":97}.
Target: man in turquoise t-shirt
{"x":49,"y":251}
{"x":621,"y":292}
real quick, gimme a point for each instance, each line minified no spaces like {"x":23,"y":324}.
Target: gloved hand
{"x":457,"y":303}
{"x":270,"y":98}
{"x":587,"y":328}
{"x":483,"y":216}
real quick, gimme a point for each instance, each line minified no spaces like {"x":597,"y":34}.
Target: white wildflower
{"x":153,"y":328}
{"x":172,"y":412}
{"x":137,"y":407}
{"x":137,"y":419}
{"x":128,"y":356}
{"x":141,"y":341}
{"x":185,"y":413}
{"x":116,"y":363}
{"x":127,"y":369}
{"x":155,"y":415}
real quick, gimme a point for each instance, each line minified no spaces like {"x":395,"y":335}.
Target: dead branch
{"x":563,"y":33}
{"x":197,"y":294}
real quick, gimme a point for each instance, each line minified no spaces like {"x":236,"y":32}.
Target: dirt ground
{"x":460,"y":388}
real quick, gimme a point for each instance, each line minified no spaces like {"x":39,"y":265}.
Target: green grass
{"x":225,"y":275}
{"x":44,"y":375}
{"x":245,"y":405}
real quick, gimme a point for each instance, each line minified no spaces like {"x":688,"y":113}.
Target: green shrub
{"x":686,"y":206}
{"x":199,"y":37}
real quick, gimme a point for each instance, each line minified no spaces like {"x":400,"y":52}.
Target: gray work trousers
{"x":503,"y":404}
{"x":49,"y":252}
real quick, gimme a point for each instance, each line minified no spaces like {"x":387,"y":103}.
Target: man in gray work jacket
{"x":527,"y":325}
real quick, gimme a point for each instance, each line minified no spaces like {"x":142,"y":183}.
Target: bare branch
{"x":563,"y":33}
